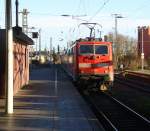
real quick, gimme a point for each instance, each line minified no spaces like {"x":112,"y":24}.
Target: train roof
{"x":90,"y":40}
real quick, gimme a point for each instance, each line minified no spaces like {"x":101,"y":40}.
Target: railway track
{"x":144,"y":87}
{"x":114,"y":115}
{"x":139,"y":74}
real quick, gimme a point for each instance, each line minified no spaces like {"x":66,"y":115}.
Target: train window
{"x":101,"y":49}
{"x":86,"y":49}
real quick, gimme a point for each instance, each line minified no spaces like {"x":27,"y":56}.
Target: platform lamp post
{"x":32,"y":34}
{"x":40,"y":44}
{"x":142,"y":48}
{"x":37,"y":35}
{"x":142,"y":54}
{"x":116,"y":16}
{"x":9,"y":58}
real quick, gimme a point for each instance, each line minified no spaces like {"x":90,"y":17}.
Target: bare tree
{"x":124,"y":51}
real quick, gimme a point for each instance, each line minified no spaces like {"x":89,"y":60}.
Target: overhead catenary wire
{"x":81,"y":11}
{"x":78,"y":8}
{"x":140,"y":8}
{"x":84,"y":6}
{"x":81,"y":8}
{"x":103,"y":5}
{"x":43,"y":13}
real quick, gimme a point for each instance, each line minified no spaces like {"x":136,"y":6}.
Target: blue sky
{"x":46,"y":14}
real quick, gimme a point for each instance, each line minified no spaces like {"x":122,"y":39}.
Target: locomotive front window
{"x":86,"y":49}
{"x":101,"y":49}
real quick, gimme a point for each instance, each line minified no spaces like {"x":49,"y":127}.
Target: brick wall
{"x":146,"y":41}
{"x":21,"y":60}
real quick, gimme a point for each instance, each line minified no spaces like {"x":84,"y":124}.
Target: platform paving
{"x":49,"y":103}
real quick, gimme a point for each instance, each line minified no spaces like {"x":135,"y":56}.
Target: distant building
{"x":146,"y":41}
{"x":21,"y":44}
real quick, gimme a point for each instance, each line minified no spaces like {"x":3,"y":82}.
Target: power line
{"x":84,"y":6}
{"x":139,"y":9}
{"x":104,"y":4}
{"x":141,"y":6}
{"x":43,"y":13}
{"x":81,"y":7}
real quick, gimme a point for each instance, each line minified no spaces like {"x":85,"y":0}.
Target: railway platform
{"x":49,"y":103}
{"x":141,"y":73}
{"x":147,"y":72}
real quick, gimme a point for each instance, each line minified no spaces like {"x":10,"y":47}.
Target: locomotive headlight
{"x":111,"y":75}
{"x":82,"y":71}
{"x":106,"y":71}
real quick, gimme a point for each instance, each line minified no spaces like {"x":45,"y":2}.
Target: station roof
{"x":18,"y":35}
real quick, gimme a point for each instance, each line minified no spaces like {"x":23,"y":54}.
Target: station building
{"x":21,"y":44}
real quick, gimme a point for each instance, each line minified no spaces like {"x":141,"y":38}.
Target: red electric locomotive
{"x":89,"y":60}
